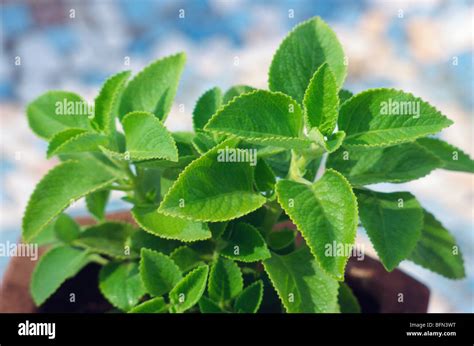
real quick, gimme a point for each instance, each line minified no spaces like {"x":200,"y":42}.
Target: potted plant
{"x":258,"y":209}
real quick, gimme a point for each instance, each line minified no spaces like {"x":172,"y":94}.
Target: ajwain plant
{"x":207,"y":205}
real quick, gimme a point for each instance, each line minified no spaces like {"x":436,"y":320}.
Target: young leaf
{"x":147,"y":138}
{"x":66,"y":229}
{"x":347,"y":301}
{"x":326,"y":215}
{"x":106,"y":103}
{"x":302,"y":52}
{"x":75,"y":141}
{"x":207,"y":306}
{"x":108,"y":238}
{"x":262,"y":117}
{"x":186,"y":258}
{"x":249,"y":300}
{"x":158,"y":272}
{"x":236,"y":91}
{"x":301,"y":284}
{"x":452,"y":158}
{"x":329,"y":144}
{"x":154,"y":88}
{"x":245,"y":243}
{"x":225,"y":280}
{"x":393,"y":222}
{"x":206,"y":106}
{"x":437,"y":250}
{"x":397,"y":164}
{"x":203,"y":142}
{"x":220,"y":190}
{"x":321,"y":101}
{"x":189,"y":290}
{"x":385,"y":117}
{"x":54,"y":267}
{"x":62,"y":185}
{"x":120,"y":283}
{"x":96,"y":203}
{"x":170,"y":227}
{"x":56,"y":111}
{"x":153,"y":306}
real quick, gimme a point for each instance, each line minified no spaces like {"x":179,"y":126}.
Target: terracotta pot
{"x":376,"y":289}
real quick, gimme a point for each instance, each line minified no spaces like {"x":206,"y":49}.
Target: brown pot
{"x":376,"y":289}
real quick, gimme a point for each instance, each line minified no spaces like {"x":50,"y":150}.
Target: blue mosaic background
{"x":425,"y":47}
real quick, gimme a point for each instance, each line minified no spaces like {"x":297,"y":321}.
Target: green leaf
{"x":158,"y":272}
{"x":301,"y":284}
{"x":321,"y":101}
{"x":220,"y":190}
{"x":236,"y":91}
{"x":329,"y":144}
{"x":141,"y":239}
{"x":325,"y":213}
{"x":397,"y":164}
{"x":170,"y":227}
{"x":66,"y":229}
{"x":147,"y":138}
{"x":56,"y":111}
{"x":393,"y":222}
{"x":153,"y":306}
{"x":347,"y":301}
{"x":54,"y":267}
{"x":154,"y":88}
{"x":120,"y":283}
{"x":264,"y":178}
{"x":203,"y":142}
{"x":261,"y":117}
{"x":344,"y":95}
{"x":186,"y":258}
{"x":206,"y":106}
{"x":189,"y":290}
{"x":96,"y":203}
{"x":62,"y":185}
{"x":106,"y":103}
{"x":250,"y":298}
{"x":452,"y":158}
{"x":437,"y":250}
{"x":225,"y":280}
{"x":217,"y":228}
{"x":207,"y":306}
{"x":308,"y":46}
{"x":385,"y":117}
{"x":108,"y":238}
{"x":245,"y":243}
{"x":75,"y":141}
{"x":278,"y":240}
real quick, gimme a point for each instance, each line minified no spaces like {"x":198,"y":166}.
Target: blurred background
{"x":424,"y":47}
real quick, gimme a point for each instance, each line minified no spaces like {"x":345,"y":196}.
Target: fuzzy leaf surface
{"x":225,"y":280}
{"x":210,"y":189}
{"x":147,"y":138}
{"x":120,"y":283}
{"x":393,"y":222}
{"x":326,"y":215}
{"x":302,"y":52}
{"x":301,"y":284}
{"x":261,"y":117}
{"x":63,"y":184}
{"x":249,"y":300}
{"x":437,"y":250}
{"x":206,"y":106}
{"x":190,"y":289}
{"x":245,"y":243}
{"x":385,"y":117}
{"x":154,"y":88}
{"x":158,"y":272}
